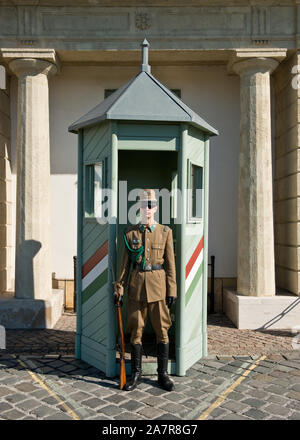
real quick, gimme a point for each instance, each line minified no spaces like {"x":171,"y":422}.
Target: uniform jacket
{"x":157,"y":284}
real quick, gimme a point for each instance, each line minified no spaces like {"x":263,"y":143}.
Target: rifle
{"x":121,"y":343}
{"x":121,"y":347}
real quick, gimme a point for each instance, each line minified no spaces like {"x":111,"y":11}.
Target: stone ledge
{"x":31,"y":313}
{"x":280,"y":312}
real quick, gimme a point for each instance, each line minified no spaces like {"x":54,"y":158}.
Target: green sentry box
{"x":145,"y":135}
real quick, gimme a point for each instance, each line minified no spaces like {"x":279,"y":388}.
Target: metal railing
{"x":212,"y":283}
{"x":75,"y":278}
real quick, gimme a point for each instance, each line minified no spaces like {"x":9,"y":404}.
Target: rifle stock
{"x":122,"y":351}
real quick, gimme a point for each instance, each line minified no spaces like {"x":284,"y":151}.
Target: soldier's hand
{"x":170,"y":300}
{"x":118,"y":298}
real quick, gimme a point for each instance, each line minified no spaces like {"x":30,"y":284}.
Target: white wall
{"x":206,"y":89}
{"x":214,"y":95}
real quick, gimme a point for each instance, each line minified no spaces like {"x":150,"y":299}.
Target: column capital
{"x":30,"y":61}
{"x":255,"y":65}
{"x":256,"y":60}
{"x":31,"y":66}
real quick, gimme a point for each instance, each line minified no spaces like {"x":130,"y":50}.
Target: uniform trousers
{"x":137,"y":318}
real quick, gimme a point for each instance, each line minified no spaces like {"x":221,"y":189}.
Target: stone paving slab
{"x":93,"y":396}
{"x":270,"y":391}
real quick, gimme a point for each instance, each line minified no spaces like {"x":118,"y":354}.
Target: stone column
{"x":256,"y":270}
{"x":33,"y":258}
{"x":6,"y":248}
{"x":35,"y":304}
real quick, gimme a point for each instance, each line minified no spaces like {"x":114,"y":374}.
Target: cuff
{"x":119,"y":288}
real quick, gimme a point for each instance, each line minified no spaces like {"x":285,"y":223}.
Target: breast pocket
{"x":157,"y":250}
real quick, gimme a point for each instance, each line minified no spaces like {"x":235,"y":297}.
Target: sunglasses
{"x":150,"y":204}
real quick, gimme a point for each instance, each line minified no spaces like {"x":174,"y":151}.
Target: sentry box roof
{"x":143,"y":98}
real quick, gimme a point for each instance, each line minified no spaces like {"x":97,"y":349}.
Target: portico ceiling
{"x":132,"y":57}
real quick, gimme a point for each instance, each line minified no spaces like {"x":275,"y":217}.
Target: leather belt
{"x":148,"y":267}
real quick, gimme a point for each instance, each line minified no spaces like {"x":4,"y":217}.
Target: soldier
{"x":152,"y":286}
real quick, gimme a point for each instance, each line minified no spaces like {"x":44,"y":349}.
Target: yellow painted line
{"x":37,"y":379}
{"x":223,"y":396}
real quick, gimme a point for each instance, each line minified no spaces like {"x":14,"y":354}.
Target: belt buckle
{"x":148,"y":267}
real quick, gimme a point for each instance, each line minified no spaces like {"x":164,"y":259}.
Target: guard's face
{"x":148,"y":209}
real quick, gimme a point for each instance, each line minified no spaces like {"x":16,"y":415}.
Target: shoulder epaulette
{"x":166,"y":228}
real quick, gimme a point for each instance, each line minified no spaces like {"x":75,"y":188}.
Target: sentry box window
{"x":195,"y":193}
{"x":95,"y":182}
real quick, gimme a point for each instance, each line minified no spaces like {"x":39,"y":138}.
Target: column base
{"x":18,"y":313}
{"x":279,"y":312}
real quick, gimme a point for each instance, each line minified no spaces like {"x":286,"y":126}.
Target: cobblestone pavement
{"x":41,"y":379}
{"x":223,"y":339}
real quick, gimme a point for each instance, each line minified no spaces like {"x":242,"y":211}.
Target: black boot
{"x":162,"y":364}
{"x":136,"y":367}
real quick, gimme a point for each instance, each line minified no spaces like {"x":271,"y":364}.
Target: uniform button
{"x":148,"y":249}
{"x":147,"y":239}
{"x":147,"y":258}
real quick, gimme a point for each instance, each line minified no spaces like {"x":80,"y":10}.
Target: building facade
{"x":237,"y":63}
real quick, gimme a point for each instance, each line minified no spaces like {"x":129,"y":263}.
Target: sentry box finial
{"x":145,"y":51}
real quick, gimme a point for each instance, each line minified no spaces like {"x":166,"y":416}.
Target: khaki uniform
{"x":147,"y":290}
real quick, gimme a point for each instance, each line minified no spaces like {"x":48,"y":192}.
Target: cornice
{"x":102,"y":25}
{"x":147,"y":3}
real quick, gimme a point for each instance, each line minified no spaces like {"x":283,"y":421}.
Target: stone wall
{"x":221,"y":284}
{"x":287,"y":176}
{"x":67,"y":286}
{"x":6,"y":250}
